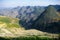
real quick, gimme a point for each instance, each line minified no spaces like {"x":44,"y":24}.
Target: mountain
{"x":28,"y":14}
{"x":56,"y":6}
{"x":21,"y":12}
{"x":59,"y":10}
{"x":17,"y":12}
{"x":48,"y":20}
{"x":49,"y":15}
{"x":9,"y":12}
{"x":10,"y":28}
{"x":14,"y":21}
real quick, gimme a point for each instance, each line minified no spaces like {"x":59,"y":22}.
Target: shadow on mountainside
{"x":50,"y":28}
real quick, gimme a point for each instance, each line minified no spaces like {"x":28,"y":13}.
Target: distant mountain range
{"x":10,"y":12}
{"x":35,"y":16}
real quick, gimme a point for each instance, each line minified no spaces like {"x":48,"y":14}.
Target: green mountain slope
{"x":10,"y":22}
{"x":10,"y":28}
{"x":48,"y":21}
{"x":50,"y":15}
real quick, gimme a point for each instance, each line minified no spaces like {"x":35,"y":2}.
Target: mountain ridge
{"x":45,"y":21}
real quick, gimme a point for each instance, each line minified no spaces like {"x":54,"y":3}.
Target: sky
{"x":15,"y":3}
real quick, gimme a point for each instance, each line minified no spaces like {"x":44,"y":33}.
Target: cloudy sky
{"x":14,"y":3}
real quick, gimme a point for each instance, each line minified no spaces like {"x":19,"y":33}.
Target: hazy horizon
{"x":15,"y":3}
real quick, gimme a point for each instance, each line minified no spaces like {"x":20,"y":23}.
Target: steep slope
{"x":45,"y":21}
{"x":10,"y":28}
{"x":50,"y":15}
{"x":9,"y":21}
{"x":8,"y":25}
{"x":56,"y":6}
{"x":28,"y":14}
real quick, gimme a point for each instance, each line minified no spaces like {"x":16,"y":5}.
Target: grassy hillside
{"x":8,"y":26}
{"x":11,"y":30}
{"x":9,"y":22}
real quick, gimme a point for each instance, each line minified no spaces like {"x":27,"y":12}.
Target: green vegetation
{"x":13,"y":22}
{"x":10,"y":22}
{"x":48,"y":20}
{"x":5,"y":20}
{"x":50,"y":15}
{"x":59,"y":35}
{"x":13,"y":25}
{"x":29,"y":38}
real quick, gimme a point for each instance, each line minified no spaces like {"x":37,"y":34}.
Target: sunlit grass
{"x":10,"y":22}
{"x":5,"y":20}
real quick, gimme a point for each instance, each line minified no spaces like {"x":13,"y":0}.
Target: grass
{"x":28,"y":38}
{"x":5,"y":20}
{"x":10,"y":22}
{"x":13,"y":22}
{"x":13,"y":25}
